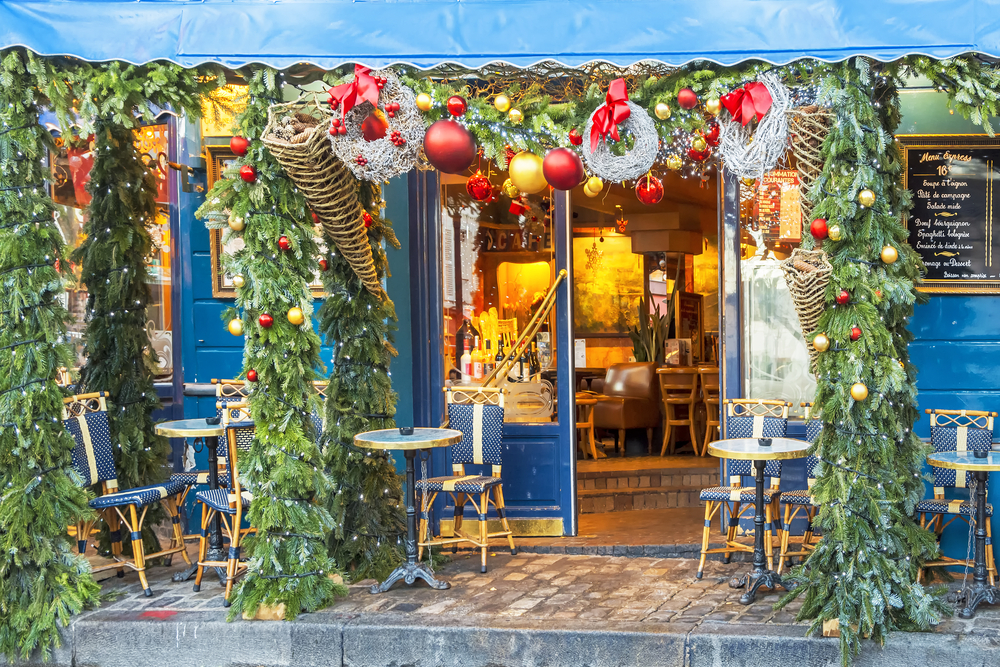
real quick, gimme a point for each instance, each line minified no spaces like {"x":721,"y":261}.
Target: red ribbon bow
{"x":751,"y":101}
{"x":364,"y":88}
{"x":608,"y":116}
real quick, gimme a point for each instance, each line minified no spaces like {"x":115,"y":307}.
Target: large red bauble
{"x":265,"y":320}
{"x":479,"y":187}
{"x":649,"y":190}
{"x":818,"y":229}
{"x":844,"y":297}
{"x":367,"y":217}
{"x":323,"y":265}
{"x":449,"y":147}
{"x":373,"y":127}
{"x":711,"y":133}
{"x":687,"y":99}
{"x":239,"y":145}
{"x":248,"y":173}
{"x":252,"y":375}
{"x":575,"y":137}
{"x":855,"y":333}
{"x":562,"y":168}
{"x":314,"y":217}
{"x":283,"y":243}
{"x":699,"y":156}
{"x":456,"y":105}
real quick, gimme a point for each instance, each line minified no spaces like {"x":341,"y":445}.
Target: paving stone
{"x":720,"y":616}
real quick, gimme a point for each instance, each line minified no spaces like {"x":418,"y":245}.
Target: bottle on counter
{"x":489,"y":363}
{"x":466,"y":363}
{"x":477,"y":362}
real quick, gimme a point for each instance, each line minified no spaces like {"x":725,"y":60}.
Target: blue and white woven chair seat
{"x":463,"y":484}
{"x":218,"y":499}
{"x":193,"y":477}
{"x":738,"y":494}
{"x":960,"y":507}
{"x":141,"y":496}
{"x":798,"y":498}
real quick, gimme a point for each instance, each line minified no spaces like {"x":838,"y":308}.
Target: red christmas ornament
{"x":479,"y":187}
{"x":575,"y":137}
{"x":265,"y":320}
{"x":818,"y":229}
{"x":239,"y":145}
{"x":449,"y":147}
{"x":252,"y":375}
{"x":712,"y":133}
{"x":323,"y":264}
{"x":562,"y":168}
{"x":374,"y":127}
{"x":649,"y":190}
{"x":456,"y":105}
{"x":509,"y":153}
{"x":367,"y":218}
{"x":844,"y":297}
{"x":699,"y":156}
{"x":248,"y":173}
{"x":855,"y":333}
{"x":283,"y":243}
{"x":314,"y":217}
{"x":687,"y":99}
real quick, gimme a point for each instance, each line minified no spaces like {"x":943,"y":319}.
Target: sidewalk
{"x":529,"y":610}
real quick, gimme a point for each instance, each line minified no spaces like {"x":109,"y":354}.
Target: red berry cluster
{"x":391,"y":109}
{"x":380,"y":82}
{"x":361,"y":159}
{"x":367,"y":218}
{"x":397,"y":138}
{"x":337,"y":127}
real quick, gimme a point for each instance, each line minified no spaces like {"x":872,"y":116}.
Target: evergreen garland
{"x":366,"y":504}
{"x":284,"y":469}
{"x":864,"y":570}
{"x":42,"y":582}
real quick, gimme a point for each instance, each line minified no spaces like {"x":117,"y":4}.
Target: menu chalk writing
{"x":951,"y":223}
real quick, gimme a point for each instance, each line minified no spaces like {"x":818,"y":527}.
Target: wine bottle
{"x":489,"y":363}
{"x":477,"y":361}
{"x":466,"y":364}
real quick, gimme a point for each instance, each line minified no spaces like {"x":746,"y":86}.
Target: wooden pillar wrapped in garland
{"x":42,"y":582}
{"x":289,"y":568}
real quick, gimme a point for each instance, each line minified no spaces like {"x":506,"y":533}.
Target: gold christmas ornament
{"x":526,"y":172}
{"x":515,"y":116}
{"x":510,"y":189}
{"x":502,"y":103}
{"x":424,"y":102}
{"x":590,"y":193}
{"x":889,"y":254}
{"x":866,"y":198}
{"x":835,"y":233}
{"x":859,"y":391}
{"x":662,"y":110}
{"x":902,"y":365}
{"x":713,"y":106}
{"x":236,"y":223}
{"x":236,"y":327}
{"x":821,"y":343}
{"x":295,"y":316}
{"x":595,"y":184}
{"x":238,"y":280}
{"x":674,"y":163}
{"x":699,"y":144}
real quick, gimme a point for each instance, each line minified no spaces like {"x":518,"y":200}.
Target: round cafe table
{"x":200,"y":428}
{"x":980,"y":590}
{"x":760,"y":451}
{"x":409,"y":443}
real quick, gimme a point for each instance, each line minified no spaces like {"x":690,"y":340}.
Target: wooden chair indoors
{"x":745,"y":418}
{"x":631,"y":399}
{"x":801,"y":501}
{"x":230,"y":504}
{"x":678,"y":389}
{"x":710,"y":396}
{"x":585,"y":402}
{"x":478,"y":413}
{"x":961,"y":431}
{"x":85,"y":416}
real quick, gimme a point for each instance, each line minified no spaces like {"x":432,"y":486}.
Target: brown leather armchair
{"x":631,"y":399}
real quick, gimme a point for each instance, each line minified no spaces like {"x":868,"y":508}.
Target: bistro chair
{"x":956,"y":431}
{"x":678,"y":387}
{"x":710,"y":396}
{"x":478,"y":413}
{"x":230,"y":504}
{"x":801,"y":501}
{"x":745,"y":418}
{"x":85,"y":416}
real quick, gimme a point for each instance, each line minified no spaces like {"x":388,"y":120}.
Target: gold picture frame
{"x":219,"y":157}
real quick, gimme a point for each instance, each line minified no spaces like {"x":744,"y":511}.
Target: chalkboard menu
{"x":951,"y":224}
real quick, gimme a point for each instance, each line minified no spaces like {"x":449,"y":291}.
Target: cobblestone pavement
{"x":589,"y":590}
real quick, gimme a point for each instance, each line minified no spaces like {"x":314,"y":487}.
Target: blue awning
{"x":473,"y":33}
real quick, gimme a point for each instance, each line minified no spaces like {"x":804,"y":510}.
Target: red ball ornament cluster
{"x":712,"y":132}
{"x":314,"y":217}
{"x":323,"y":264}
{"x":479,"y":187}
{"x":397,"y":138}
{"x":251,"y":375}
{"x":562,"y":169}
{"x":284,"y":243}
{"x":391,"y":108}
{"x":367,"y":219}
{"x":575,"y":137}
{"x":248,"y":173}
{"x":456,"y":105}
{"x":337,"y":127}
{"x":265,"y":320}
{"x":844,"y":297}
{"x":818,"y":229}
{"x":649,"y":190}
{"x":699,"y":156}
{"x":855,"y":333}
{"x":687,"y":98}
{"x":239,"y":145}
{"x":361,"y":159}
{"x":449,"y":147}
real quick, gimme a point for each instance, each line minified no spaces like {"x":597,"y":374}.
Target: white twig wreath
{"x":636,"y":162}
{"x":396,"y":152}
{"x":751,"y":154}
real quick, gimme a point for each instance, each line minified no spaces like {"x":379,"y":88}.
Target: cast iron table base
{"x":759,"y":576}
{"x":411,"y":570}
{"x":980,"y":590}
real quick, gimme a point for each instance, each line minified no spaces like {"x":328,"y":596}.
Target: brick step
{"x":661,"y":478}
{"x":594,"y":501}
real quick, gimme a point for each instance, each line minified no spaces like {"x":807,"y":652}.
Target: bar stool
{"x":710,"y":397}
{"x":585,"y":422}
{"x":678,"y":386}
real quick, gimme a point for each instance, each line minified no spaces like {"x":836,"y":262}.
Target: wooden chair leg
{"x":808,"y":534}
{"x":691,"y":428}
{"x":233,"y":560}
{"x":621,"y":439}
{"x":483,"y":532}
{"x":459,"y":512}
{"x":734,"y":522}
{"x":422,"y":527}
{"x":175,"y":520}
{"x":593,"y":442}
{"x":202,"y":546}
{"x":115,"y":530}
{"x":704,"y":539}
{"x":769,"y":532}
{"x":708,"y":439}
{"x":138,"y":554}
{"x":991,"y":566}
{"x":666,"y":430}
{"x":783,"y":548}
{"x":502,"y":511}
{"x":649,"y":441}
